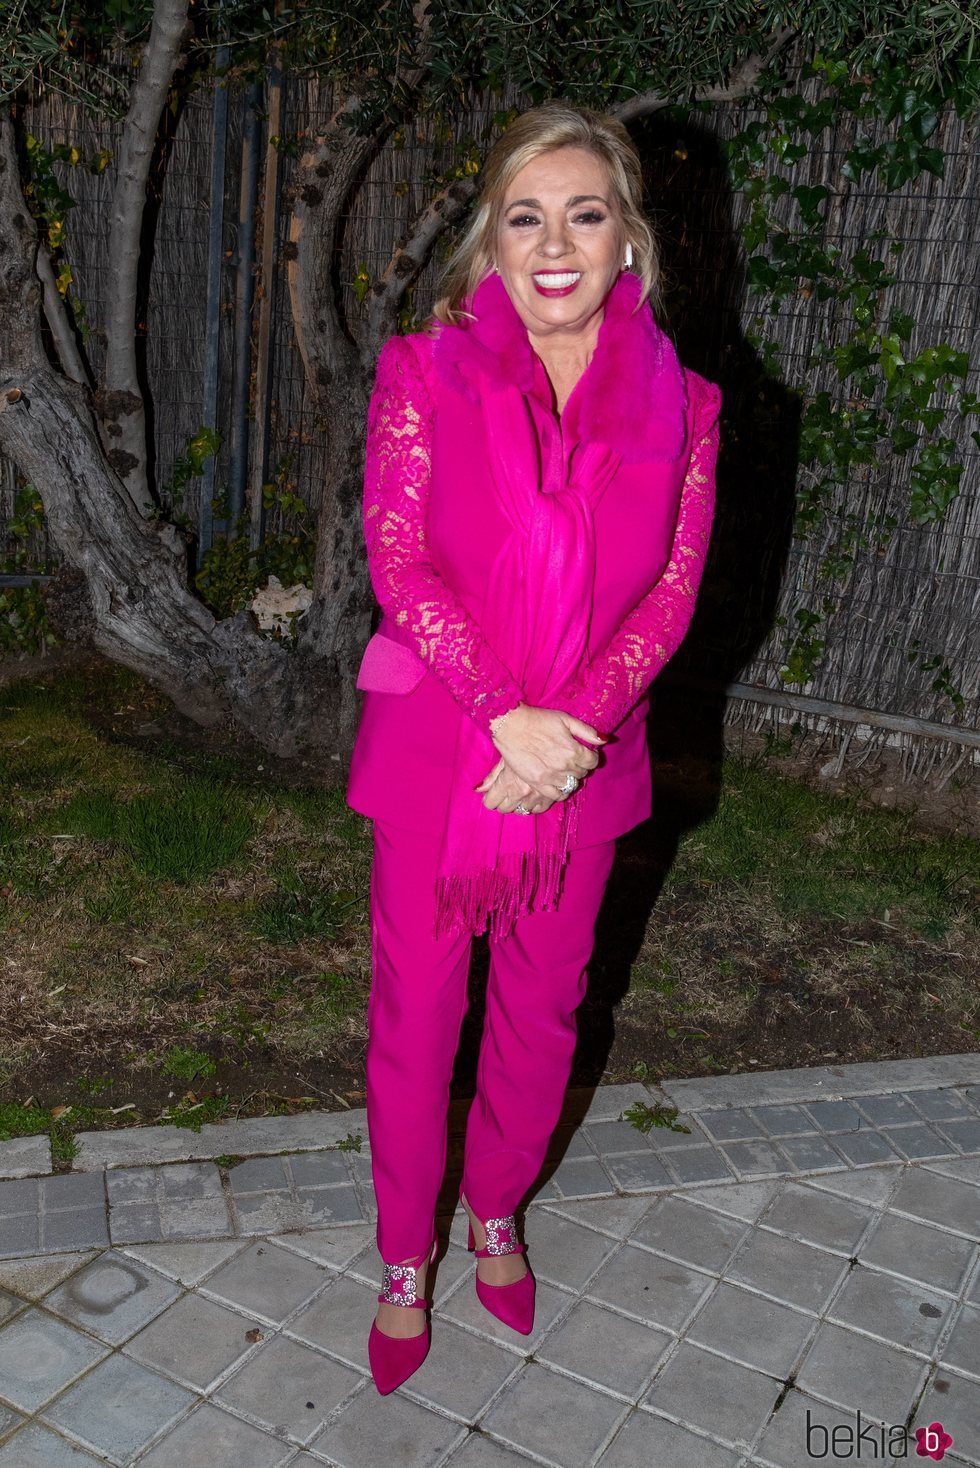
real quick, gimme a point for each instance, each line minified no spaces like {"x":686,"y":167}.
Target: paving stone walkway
{"x":794,"y":1278}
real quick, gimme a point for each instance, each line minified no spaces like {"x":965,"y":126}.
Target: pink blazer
{"x":432,"y":530}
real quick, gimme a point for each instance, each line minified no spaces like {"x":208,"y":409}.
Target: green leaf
{"x":901,"y":324}
{"x":903,"y":439}
{"x":810,"y":197}
{"x":759,"y":272}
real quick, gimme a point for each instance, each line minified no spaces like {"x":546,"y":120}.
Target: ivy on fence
{"x":24,"y":624}
{"x":889,"y":396}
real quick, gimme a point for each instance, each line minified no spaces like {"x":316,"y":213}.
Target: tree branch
{"x":409,"y":258}
{"x":324,"y":178}
{"x":119,"y":400}
{"x":20,"y":288}
{"x":741,"y":82}
{"x":72,"y":363}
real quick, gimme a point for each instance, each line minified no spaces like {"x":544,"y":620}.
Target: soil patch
{"x":699,"y":967}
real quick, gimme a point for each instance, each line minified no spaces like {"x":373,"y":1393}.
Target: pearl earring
{"x":629,"y":256}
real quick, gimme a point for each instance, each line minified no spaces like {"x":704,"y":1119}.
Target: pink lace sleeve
{"x":653,"y":631}
{"x":426,"y":614}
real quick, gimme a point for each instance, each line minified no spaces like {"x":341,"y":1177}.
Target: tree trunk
{"x":291,"y":699}
{"x":142,"y":613}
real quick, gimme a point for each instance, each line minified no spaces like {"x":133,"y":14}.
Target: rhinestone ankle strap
{"x":502,"y":1235}
{"x":398,"y":1284}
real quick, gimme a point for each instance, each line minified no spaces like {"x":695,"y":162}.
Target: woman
{"x":538,"y":499}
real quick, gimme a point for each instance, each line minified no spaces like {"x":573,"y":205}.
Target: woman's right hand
{"x":541,"y":746}
{"x":503,"y":790}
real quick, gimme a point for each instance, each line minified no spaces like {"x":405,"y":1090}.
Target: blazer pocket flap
{"x":388,"y":667}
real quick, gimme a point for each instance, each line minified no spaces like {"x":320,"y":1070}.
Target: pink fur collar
{"x":631,"y":397}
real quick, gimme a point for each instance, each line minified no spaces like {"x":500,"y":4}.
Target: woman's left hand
{"x":504,"y":790}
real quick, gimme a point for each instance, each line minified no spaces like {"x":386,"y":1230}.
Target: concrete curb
{"x":824,"y":1083}
{"x":319,"y":1130}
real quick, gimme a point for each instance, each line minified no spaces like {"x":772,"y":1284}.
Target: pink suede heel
{"x":393,"y":1359}
{"x":512,"y":1303}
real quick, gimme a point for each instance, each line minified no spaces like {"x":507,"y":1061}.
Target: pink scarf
{"x":497,"y":867}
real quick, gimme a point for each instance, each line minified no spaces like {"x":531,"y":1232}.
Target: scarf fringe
{"x":493,"y":898}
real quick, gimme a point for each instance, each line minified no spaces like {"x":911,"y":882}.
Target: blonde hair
{"x":542,"y":130}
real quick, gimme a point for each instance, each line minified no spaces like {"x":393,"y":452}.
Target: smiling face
{"x":560,"y":242}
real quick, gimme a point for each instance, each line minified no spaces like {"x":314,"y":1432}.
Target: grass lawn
{"x":185,"y":927}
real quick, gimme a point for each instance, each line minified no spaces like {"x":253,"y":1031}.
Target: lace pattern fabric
{"x":646,"y":640}
{"x":429,"y":617}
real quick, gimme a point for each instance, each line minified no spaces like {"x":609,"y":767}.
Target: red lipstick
{"x":561,"y":290}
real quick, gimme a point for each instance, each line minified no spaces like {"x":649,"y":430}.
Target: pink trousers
{"x":418,"y":999}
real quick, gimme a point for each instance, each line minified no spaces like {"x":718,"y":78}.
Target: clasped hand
{"x":539,"y":749}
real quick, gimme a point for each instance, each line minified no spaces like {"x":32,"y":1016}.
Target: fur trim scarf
{"x":633,"y":396}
